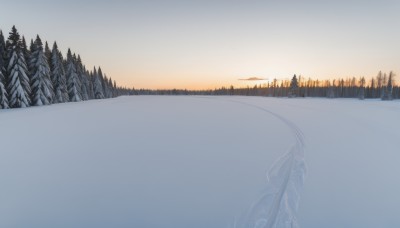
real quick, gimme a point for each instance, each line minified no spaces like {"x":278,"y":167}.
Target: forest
{"x":379,"y":87}
{"x":37,"y":76}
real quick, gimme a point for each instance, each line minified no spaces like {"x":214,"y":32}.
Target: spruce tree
{"x":57,"y":76}
{"x":97,"y":87}
{"x":361,"y":92}
{"x":373,"y":94}
{"x":80,"y":69}
{"x":101,"y":78}
{"x":47,"y":53}
{"x":3,"y":92}
{"x":25,"y":49}
{"x":115,"y":89}
{"x":85,"y":84}
{"x":30,"y":64}
{"x":110,"y":86}
{"x":73,"y":83}
{"x":41,"y":86}
{"x":90,"y":84}
{"x":294,"y":85}
{"x":17,"y":72}
{"x":388,"y":92}
{"x":106,"y":87}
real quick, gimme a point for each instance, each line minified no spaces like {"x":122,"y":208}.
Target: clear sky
{"x":207,"y":44}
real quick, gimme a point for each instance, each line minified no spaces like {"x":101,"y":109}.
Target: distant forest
{"x":380,"y":87}
{"x":38,"y":76}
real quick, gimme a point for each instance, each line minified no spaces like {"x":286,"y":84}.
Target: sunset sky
{"x":207,"y":44}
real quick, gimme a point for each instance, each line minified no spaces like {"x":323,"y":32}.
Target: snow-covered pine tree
{"x":97,"y":87}
{"x":106,"y":87}
{"x":101,"y":77}
{"x":85,"y":84}
{"x":25,"y":49}
{"x":110,"y":86}
{"x":90,"y":83}
{"x":28,"y":57}
{"x":3,"y":92}
{"x":18,"y":81}
{"x":57,"y":75}
{"x":47,"y":53}
{"x":73,"y":83}
{"x":41,"y":85}
{"x":80,"y":70}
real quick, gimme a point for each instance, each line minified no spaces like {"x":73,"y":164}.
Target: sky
{"x":207,"y":44}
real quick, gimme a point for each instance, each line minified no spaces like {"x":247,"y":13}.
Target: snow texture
{"x":193,"y":161}
{"x":277,"y":208}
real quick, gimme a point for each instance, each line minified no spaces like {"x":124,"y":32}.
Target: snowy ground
{"x":180,"y":161}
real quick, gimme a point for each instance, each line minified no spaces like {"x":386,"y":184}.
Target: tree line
{"x":37,"y":76}
{"x":379,"y":87}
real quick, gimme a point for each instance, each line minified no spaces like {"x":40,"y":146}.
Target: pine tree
{"x":294,"y":86}
{"x":110,"y":86}
{"x":379,"y":79}
{"x":361,"y":92}
{"x":47,"y":53}
{"x":41,"y":86}
{"x":80,"y":69}
{"x":388,"y":92}
{"x":103,"y":86}
{"x":373,"y":94}
{"x":390,"y":85}
{"x":90,"y":84}
{"x":57,"y":76}
{"x":85,"y":84}
{"x":18,"y":81}
{"x":3,"y":92}
{"x":30,"y":64}
{"x":97,"y":87}
{"x":25,"y":49}
{"x":73,"y":83}
{"x":107,"y":92}
{"x":115,"y":89}
{"x":330,"y":92}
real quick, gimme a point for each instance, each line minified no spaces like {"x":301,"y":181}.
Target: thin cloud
{"x":253,"y":79}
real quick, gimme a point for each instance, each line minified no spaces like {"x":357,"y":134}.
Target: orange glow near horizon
{"x":210,"y":44}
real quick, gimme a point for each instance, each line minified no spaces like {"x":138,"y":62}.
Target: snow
{"x":193,"y":161}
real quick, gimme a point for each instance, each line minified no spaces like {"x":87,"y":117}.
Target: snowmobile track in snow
{"x":277,"y":206}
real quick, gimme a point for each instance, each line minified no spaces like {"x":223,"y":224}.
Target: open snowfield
{"x":198,"y":162}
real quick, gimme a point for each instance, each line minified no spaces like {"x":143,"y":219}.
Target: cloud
{"x":253,"y":79}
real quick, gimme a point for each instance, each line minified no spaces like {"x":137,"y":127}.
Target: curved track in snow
{"x":277,"y":207}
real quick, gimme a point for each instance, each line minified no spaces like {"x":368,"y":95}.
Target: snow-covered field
{"x":186,"y":161}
